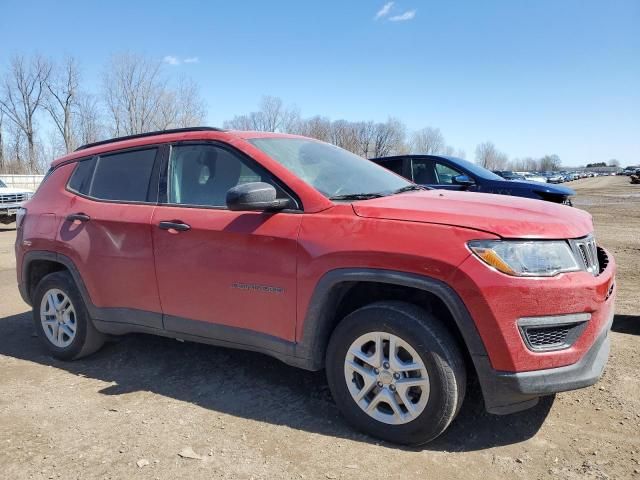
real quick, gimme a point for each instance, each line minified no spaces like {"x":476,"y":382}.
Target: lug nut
{"x":385,"y":364}
{"x":396,"y":376}
{"x":376,"y":371}
{"x":380,"y":384}
{"x":392,"y":388}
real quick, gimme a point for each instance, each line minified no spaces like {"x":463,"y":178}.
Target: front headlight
{"x":523,"y":258}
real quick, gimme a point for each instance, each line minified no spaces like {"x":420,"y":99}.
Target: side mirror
{"x":255,"y":196}
{"x":463,"y":180}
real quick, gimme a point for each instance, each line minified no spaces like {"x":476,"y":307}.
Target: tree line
{"x":136,"y":96}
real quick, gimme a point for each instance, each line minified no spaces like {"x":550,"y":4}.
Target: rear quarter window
{"x":81,"y":178}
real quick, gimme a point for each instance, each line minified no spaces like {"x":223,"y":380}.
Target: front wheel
{"x":395,"y":372}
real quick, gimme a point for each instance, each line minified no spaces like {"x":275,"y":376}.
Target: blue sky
{"x":534,"y":77}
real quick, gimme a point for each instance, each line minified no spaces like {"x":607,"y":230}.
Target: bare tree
{"x":273,"y":116}
{"x":16,"y":150}
{"x":88,"y":126}
{"x":549,"y":163}
{"x":62,"y":98}
{"x":343,"y":134}
{"x":2,"y":164}
{"x":448,"y":150}
{"x":191,"y":109}
{"x":167,"y":113}
{"x":133,"y":92}
{"x":180,"y":108}
{"x":365,"y":133}
{"x":614,"y":163}
{"x":23,"y":92}
{"x":429,"y":140}
{"x":389,"y":137}
{"x":461,"y":153}
{"x":315,"y":127}
{"x":488,"y":156}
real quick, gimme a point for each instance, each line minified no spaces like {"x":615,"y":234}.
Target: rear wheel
{"x":395,"y":372}
{"x":61,"y":318}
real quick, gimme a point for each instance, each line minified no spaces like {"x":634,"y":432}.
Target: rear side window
{"x":124,"y":177}
{"x":393,"y":165}
{"x":423,"y":172}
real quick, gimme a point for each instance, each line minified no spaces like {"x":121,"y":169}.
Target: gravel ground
{"x":144,"y":406}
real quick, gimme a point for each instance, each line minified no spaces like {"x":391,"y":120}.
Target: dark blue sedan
{"x":451,"y":173}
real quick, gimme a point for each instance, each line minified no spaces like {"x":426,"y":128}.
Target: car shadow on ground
{"x":629,"y":324}
{"x":251,"y":385}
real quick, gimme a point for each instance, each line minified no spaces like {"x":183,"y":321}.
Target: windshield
{"x":332,"y":171}
{"x":2,"y":184}
{"x":477,"y":170}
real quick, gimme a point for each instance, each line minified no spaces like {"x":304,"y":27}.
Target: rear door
{"x":107,"y":233}
{"x":223,"y":274}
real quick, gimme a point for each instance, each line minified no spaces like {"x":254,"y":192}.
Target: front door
{"x":222,"y":273}
{"x":432,"y":173}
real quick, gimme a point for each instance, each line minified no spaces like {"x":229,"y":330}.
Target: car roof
{"x":413,"y":155}
{"x":164,"y":136}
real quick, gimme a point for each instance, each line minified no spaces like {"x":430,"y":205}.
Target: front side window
{"x":446,"y":174}
{"x":203,"y":174}
{"x":332,"y":171}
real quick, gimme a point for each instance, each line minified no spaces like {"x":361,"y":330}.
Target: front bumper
{"x":507,"y":392}
{"x":512,"y":375}
{"x":10,"y":209}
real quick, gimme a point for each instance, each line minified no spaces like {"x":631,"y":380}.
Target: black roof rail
{"x":150,"y":134}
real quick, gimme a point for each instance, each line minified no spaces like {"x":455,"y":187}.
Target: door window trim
{"x":164,"y":181}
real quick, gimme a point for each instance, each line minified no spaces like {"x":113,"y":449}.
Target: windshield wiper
{"x":408,"y":188}
{"x":357,"y":196}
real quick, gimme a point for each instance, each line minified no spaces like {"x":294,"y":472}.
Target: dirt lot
{"x":128,"y":411}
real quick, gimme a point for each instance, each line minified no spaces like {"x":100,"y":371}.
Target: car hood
{"x":545,"y":187}
{"x":503,"y":215}
{"x":12,"y":191}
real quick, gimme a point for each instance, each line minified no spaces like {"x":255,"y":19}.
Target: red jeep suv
{"x":301,"y":250}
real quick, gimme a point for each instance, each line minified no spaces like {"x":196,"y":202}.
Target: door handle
{"x":174,"y":225}
{"x":78,"y":217}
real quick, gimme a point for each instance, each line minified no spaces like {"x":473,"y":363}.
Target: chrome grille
{"x":586,"y":253}
{"x":12,"y":197}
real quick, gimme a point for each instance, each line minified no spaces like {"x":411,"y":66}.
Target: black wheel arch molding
{"x":309,"y":352}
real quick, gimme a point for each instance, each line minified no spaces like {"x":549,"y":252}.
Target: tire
{"x":85,"y":339}
{"x":423,"y":335}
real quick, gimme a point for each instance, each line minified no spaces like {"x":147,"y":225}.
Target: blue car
{"x":451,"y":173}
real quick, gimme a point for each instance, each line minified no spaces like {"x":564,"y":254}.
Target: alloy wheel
{"x":58,"y":318}
{"x":386,"y":378}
